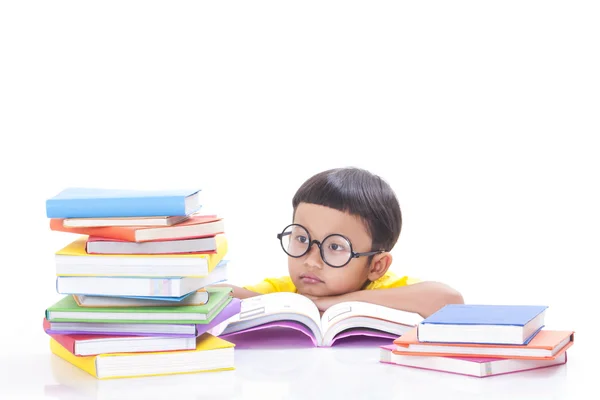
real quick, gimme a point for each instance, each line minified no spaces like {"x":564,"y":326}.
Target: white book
{"x":107,"y":246}
{"x":196,"y":298}
{"x":123,"y":221}
{"x":137,"y":286}
{"x":73,"y":260}
{"x":298,"y":312}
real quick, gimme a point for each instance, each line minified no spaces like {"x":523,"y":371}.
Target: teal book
{"x":67,"y":310}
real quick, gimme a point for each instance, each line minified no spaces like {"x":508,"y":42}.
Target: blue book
{"x":484,"y":324}
{"x":112,"y":203}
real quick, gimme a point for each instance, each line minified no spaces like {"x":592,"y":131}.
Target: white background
{"x":483,"y":116}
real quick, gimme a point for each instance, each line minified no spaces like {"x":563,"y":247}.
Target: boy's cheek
{"x":293,"y":267}
{"x":340,"y":282}
{"x":346,"y":281}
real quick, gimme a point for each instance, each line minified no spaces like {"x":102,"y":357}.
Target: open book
{"x":295,"y":311}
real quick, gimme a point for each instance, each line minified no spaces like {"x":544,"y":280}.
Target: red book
{"x":87,"y":345}
{"x":194,"y":227}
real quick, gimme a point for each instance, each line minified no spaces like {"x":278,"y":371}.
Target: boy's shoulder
{"x":391,"y":280}
{"x":285,"y":284}
{"x":272,"y":285}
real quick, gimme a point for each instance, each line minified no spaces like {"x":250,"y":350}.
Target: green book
{"x":67,"y":310}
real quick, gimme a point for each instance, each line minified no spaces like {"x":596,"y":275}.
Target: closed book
{"x":137,"y":329}
{"x":73,"y":260}
{"x":479,"y":367}
{"x":119,"y":328}
{"x":108,"y":203}
{"x":547,"y":344}
{"x":211,"y":354}
{"x":99,"y":245}
{"x":480,"y":323}
{"x":67,"y":310}
{"x":196,"y":226}
{"x":197,"y":298}
{"x":87,"y":345}
{"x":164,"y":287}
{"x":124,"y":221}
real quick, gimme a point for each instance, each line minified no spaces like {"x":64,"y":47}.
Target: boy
{"x":345,"y":223}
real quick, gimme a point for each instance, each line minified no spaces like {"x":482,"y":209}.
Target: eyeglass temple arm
{"x":368,"y":253}
{"x":280,"y":235}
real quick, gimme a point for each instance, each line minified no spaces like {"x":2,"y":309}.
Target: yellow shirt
{"x":285,"y":284}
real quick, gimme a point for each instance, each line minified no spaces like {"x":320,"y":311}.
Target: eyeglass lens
{"x":335,"y":250}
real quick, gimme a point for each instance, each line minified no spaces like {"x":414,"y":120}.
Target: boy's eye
{"x":301,"y":239}
{"x":336,"y":247}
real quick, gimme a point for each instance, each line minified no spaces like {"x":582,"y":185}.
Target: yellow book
{"x":211,"y":354}
{"x":73,"y":260}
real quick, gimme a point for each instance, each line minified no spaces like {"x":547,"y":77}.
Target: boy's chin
{"x":314,"y":291}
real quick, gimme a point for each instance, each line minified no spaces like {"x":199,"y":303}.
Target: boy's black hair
{"x":360,"y":193}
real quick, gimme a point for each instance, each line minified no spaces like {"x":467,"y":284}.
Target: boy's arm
{"x":423,"y":298}
{"x":239,"y":292}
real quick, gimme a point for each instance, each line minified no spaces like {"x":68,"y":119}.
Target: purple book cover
{"x":274,"y":333}
{"x":230,"y":310}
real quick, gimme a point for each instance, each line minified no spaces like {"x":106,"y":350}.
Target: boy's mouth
{"x":310,"y":279}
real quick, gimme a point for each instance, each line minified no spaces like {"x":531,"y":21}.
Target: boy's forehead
{"x":322,"y":221}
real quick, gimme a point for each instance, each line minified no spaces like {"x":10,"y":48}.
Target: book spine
{"x":116,"y":207}
{"x":85,"y":363}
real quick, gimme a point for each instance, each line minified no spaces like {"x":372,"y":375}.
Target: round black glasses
{"x":336,"y":250}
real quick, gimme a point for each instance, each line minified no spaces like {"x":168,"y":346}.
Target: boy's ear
{"x":379,"y":266}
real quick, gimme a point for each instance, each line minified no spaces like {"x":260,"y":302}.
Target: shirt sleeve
{"x":272,"y":285}
{"x":391,"y":280}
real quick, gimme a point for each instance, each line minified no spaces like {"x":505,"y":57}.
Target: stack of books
{"x":481,"y":341}
{"x":135,"y":281}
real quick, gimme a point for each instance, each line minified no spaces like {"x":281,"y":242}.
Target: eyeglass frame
{"x":353,"y":254}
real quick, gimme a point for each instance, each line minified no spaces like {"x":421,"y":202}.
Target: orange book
{"x":194,"y":227}
{"x":546,"y":345}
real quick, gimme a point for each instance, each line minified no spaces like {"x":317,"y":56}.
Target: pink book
{"x":471,"y":366}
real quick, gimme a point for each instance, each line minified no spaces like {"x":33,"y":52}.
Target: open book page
{"x":361,"y":315}
{"x":281,"y":306}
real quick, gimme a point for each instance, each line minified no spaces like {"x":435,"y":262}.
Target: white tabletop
{"x":282,"y":370}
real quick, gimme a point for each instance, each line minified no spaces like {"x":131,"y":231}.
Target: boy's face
{"x":310,"y":274}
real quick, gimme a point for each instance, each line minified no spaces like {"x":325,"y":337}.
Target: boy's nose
{"x":313,"y":258}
